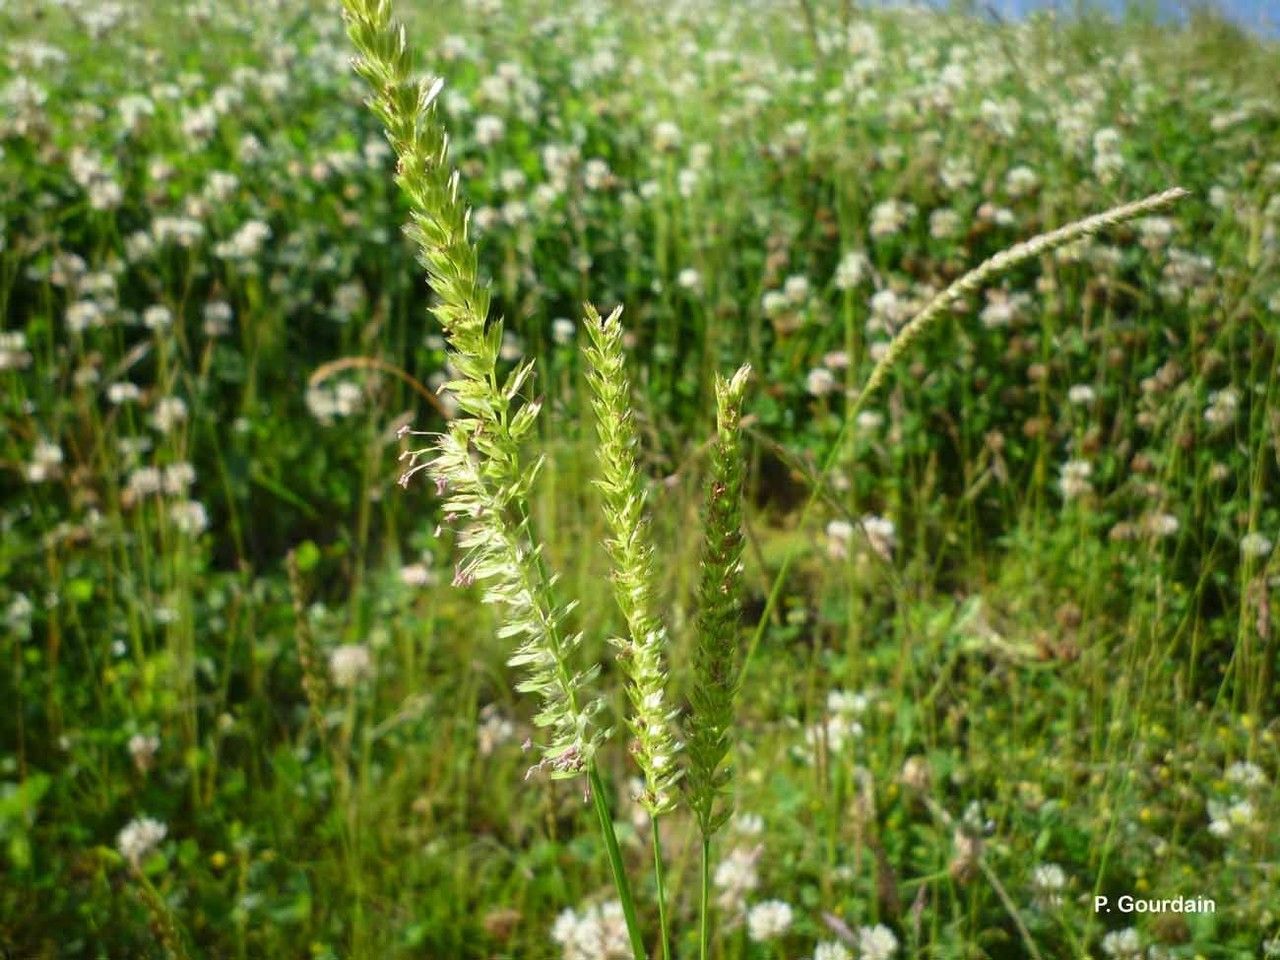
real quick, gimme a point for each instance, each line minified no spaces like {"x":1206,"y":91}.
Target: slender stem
{"x":662,"y":889}
{"x":704,"y":933}
{"x":615,"y":861}
{"x":931,"y":312}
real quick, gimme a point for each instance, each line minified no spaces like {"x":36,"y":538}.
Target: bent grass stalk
{"x":933,"y":311}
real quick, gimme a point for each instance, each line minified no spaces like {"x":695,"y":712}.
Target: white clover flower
{"x":139,"y":839}
{"x":182,"y":231}
{"x":593,"y":933}
{"x":178,"y":477}
{"x":1223,"y":404}
{"x":347,"y":398}
{"x":199,"y":124}
{"x":1246,"y":774}
{"x":869,"y":421}
{"x":220,"y":186}
{"x":595,"y":174}
{"x":168,"y":413}
{"x":889,"y":218}
{"x":349,"y":664}
{"x":143,"y":749}
{"x":123,"y":392}
{"x":832,"y":950}
{"x":773,"y":303}
{"x":1049,"y":877}
{"x":689,"y":279}
{"x":852,"y":270}
{"x":768,"y":920}
{"x":217,"y":316}
{"x":190,"y":517}
{"x":489,"y":130}
{"x":322,"y":404}
{"x":143,"y":482}
{"x":1021,"y":181}
{"x":512,"y":349}
{"x":666,"y":136}
{"x":796,"y":289}
{"x":1156,"y":232}
{"x":515,"y":212}
{"x":945,"y":224}
{"x":348,"y":300}
{"x":105,"y":194}
{"x":485,"y":218}
{"x":1001,"y":116}
{"x":18,"y":613}
{"x":748,"y":824}
{"x":1074,"y":480}
{"x":832,"y":733}
{"x":1002,"y":308}
{"x":494,"y":730}
{"x":1049,"y":880}
{"x":736,"y":876}
{"x":46,"y":461}
{"x":562,"y":330}
{"x":1081,"y":395}
{"x":881,"y":535}
{"x":1107,"y":160}
{"x":957,"y":173}
{"x":249,"y":150}
{"x":157,"y":317}
{"x":84,"y":315}
{"x":1106,"y":140}
{"x":820,"y":381}
{"x":876,"y":943}
{"x":839,"y":534}
{"x":847,"y":703}
{"x":245,"y":244}
{"x":13,"y":344}
{"x":512,"y":180}
{"x":1255,"y":545}
{"x":1160,"y":525}
{"x":417,"y":575}
{"x":1122,"y":944}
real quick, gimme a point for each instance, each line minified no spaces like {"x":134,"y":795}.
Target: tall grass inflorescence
{"x":715,"y":660}
{"x":479,"y":468}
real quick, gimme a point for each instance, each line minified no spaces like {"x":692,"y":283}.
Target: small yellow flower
{"x":218,"y":860}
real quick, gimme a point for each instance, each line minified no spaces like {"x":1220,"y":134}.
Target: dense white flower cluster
{"x":768,"y":920}
{"x":349,"y":664}
{"x":139,"y":838}
{"x":594,"y":932}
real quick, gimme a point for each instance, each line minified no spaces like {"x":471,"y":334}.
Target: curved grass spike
{"x":477,"y":461}
{"x":934,"y":310}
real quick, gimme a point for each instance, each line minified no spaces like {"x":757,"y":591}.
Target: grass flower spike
{"x":716,"y":670}
{"x":477,"y":461}
{"x":631,"y":550}
{"x":715,"y":683}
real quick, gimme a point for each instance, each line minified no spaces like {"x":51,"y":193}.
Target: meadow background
{"x":1025,"y":654}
